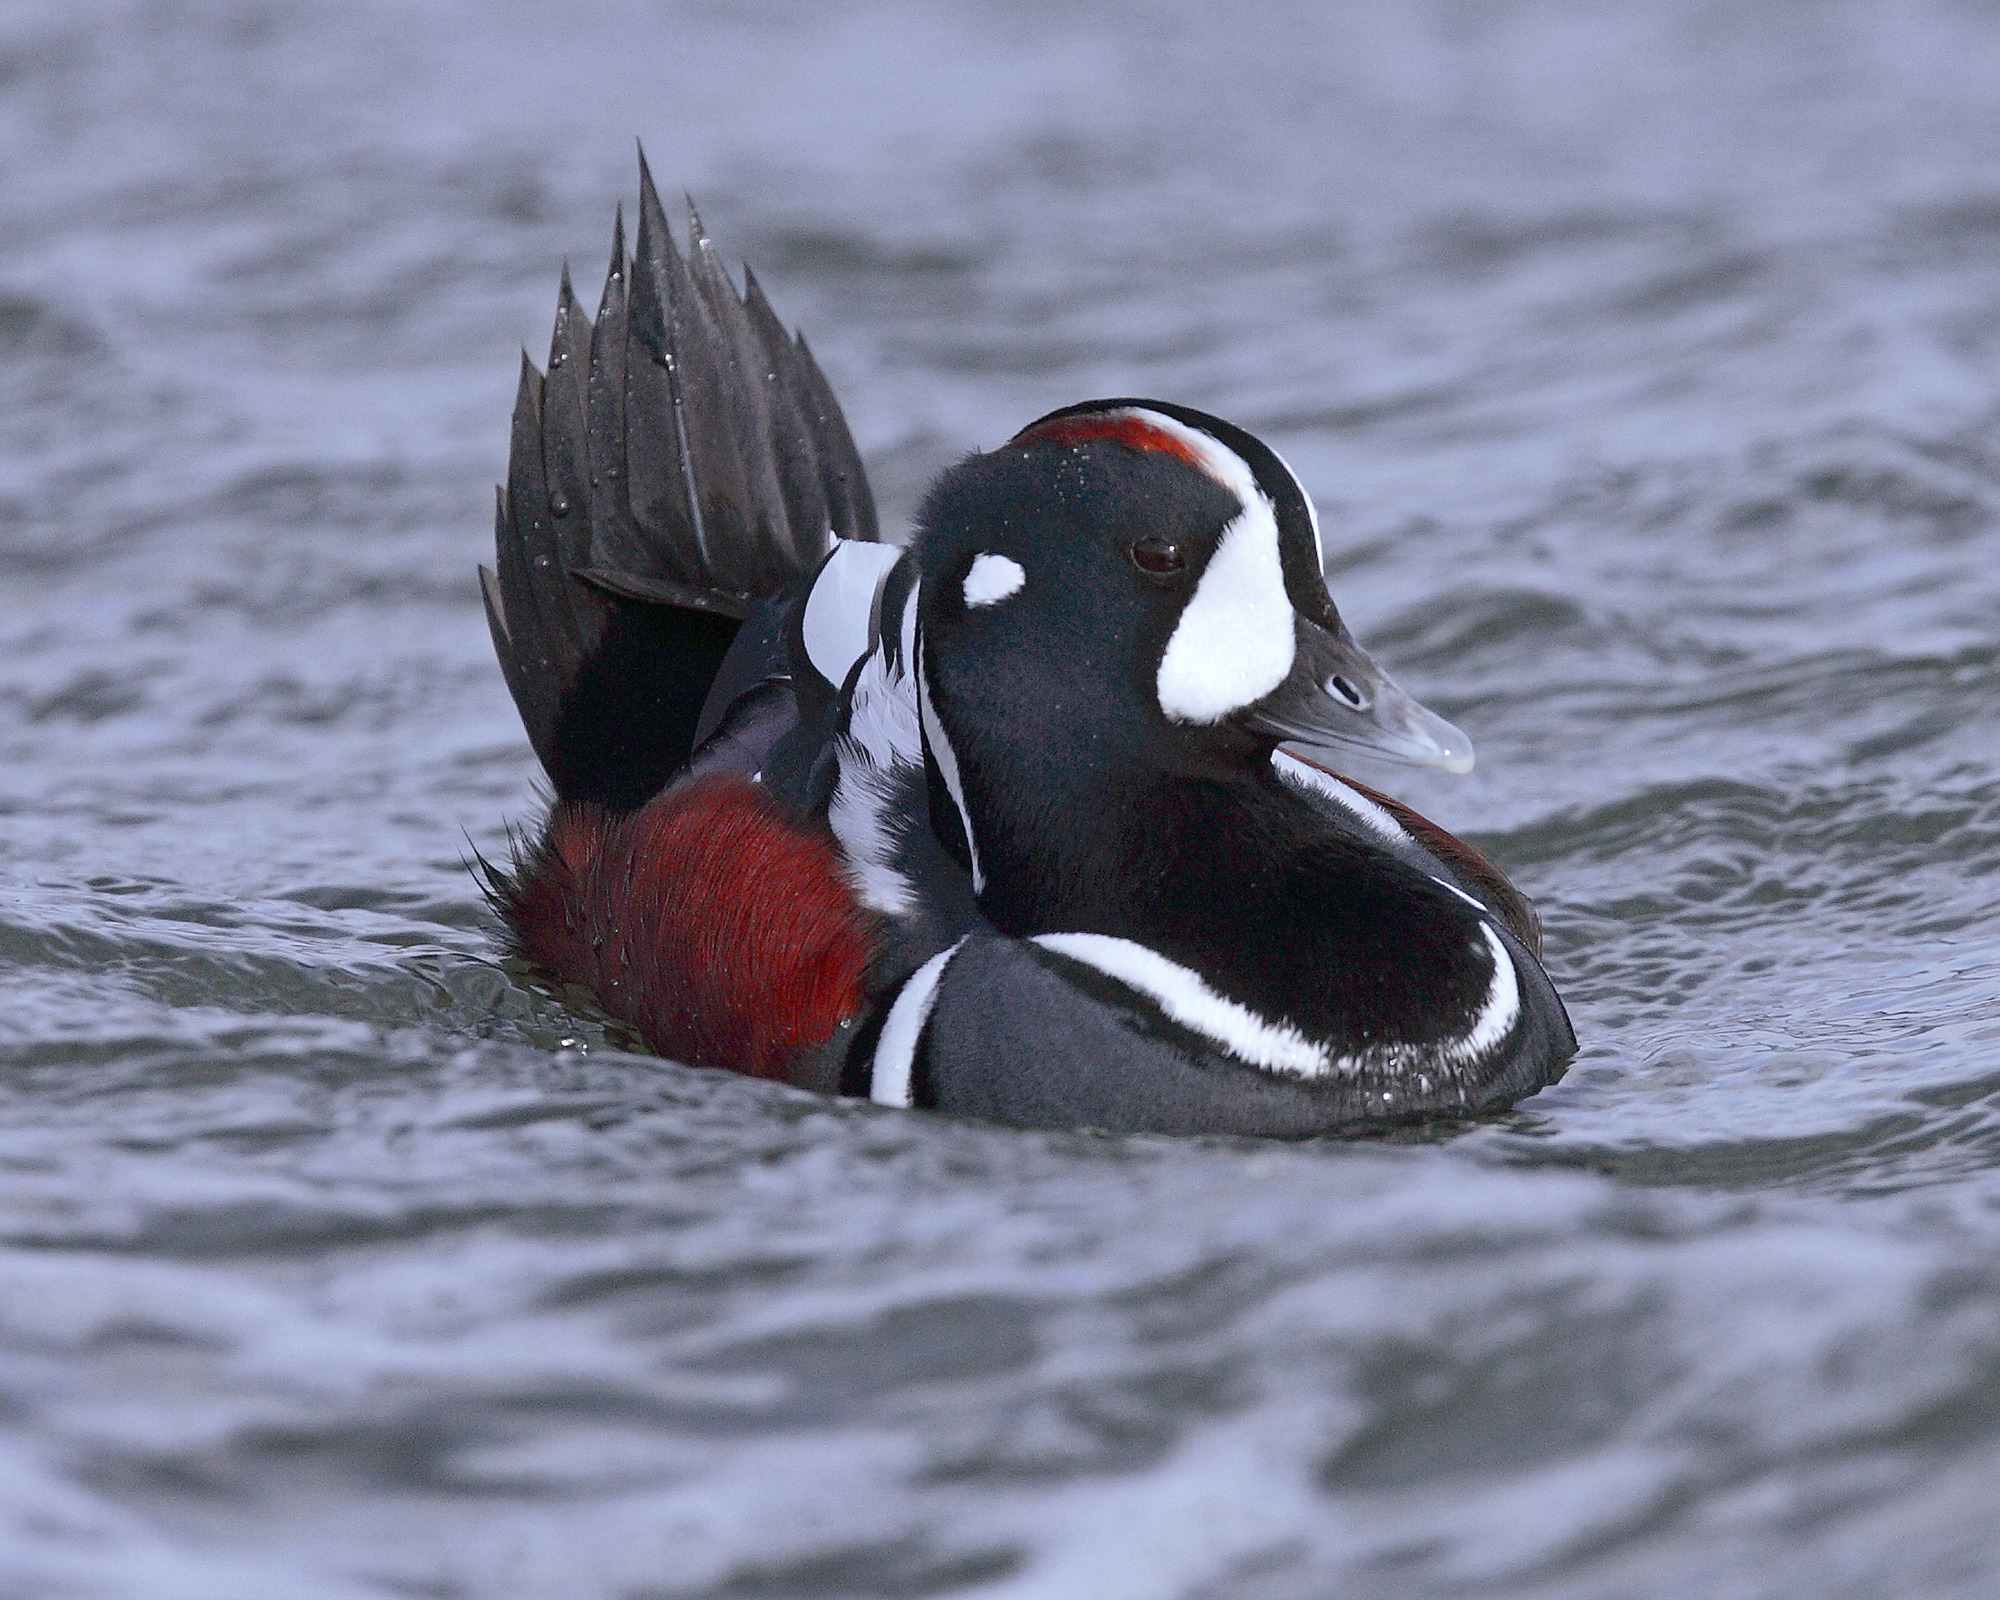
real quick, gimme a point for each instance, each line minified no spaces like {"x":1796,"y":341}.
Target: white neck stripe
{"x":1477,"y":905}
{"x":1377,"y":819}
{"x":1312,"y":511}
{"x":947,"y":765}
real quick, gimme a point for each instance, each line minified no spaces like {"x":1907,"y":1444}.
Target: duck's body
{"x":998,"y":824}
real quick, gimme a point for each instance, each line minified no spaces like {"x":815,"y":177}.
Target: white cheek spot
{"x":992,"y":579}
{"x":896,"y":1051}
{"x":1233,"y":644}
{"x":1274,"y":1046}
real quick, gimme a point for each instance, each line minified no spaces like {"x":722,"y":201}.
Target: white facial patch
{"x":841,"y":604}
{"x":896,"y":1051}
{"x":1274,"y":1046}
{"x":992,"y":579}
{"x":1234,"y":642}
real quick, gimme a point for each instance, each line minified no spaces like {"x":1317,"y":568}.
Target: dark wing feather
{"x":683,"y":459}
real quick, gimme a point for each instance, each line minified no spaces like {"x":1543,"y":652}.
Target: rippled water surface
{"x":1645,"y":361}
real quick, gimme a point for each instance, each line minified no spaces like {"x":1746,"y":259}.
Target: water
{"x":1645,"y":362}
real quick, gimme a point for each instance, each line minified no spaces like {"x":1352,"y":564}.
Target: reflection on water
{"x":1645,"y":362}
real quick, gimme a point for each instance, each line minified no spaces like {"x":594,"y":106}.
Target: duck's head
{"x":1134,"y":580}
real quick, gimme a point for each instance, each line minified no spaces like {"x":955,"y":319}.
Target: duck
{"x":1033,"y":818}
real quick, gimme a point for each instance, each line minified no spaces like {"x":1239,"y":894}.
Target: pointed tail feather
{"x":683,"y":458}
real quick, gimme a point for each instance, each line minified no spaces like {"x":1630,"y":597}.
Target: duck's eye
{"x":1347,"y":690}
{"x":1159,"y":557}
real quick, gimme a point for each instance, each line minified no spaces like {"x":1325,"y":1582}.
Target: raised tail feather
{"x":683,"y":458}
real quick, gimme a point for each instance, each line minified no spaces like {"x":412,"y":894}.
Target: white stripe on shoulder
{"x":842,"y":602}
{"x":1377,"y":819}
{"x":1181,"y":994}
{"x":896,"y":1051}
{"x":906,"y":634}
{"x":1497,"y":1017}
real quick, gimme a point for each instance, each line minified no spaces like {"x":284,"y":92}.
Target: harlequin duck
{"x":1021,"y":822}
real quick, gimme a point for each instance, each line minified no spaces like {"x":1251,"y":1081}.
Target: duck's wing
{"x":683,"y":460}
{"x":1046,"y":1032}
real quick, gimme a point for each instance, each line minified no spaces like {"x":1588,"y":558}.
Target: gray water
{"x":1645,"y":362}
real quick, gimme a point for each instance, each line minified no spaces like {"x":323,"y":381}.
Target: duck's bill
{"x":1336,"y":698}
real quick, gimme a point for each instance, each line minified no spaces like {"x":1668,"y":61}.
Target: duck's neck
{"x":1106,"y":845}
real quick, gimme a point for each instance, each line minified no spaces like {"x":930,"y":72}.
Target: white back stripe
{"x":1181,"y":994}
{"x":842,"y":601}
{"x":1377,"y":819}
{"x":896,"y":1051}
{"x":992,"y":579}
